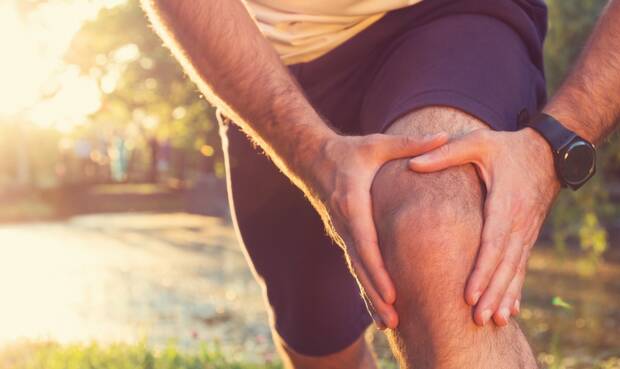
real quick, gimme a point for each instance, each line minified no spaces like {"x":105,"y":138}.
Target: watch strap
{"x":553,"y":131}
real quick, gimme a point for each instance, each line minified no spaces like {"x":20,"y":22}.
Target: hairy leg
{"x":357,"y":356}
{"x":429,"y":228}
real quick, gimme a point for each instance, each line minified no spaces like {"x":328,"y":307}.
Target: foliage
{"x":118,"y":356}
{"x":570,"y":23}
{"x":145,"y":92}
{"x":580,"y":215}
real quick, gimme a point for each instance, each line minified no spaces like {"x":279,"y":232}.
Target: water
{"x":130,"y":277}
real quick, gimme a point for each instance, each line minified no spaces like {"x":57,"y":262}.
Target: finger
{"x":512,"y":298}
{"x":495,"y":234}
{"x":384,"y":314}
{"x":392,"y":147}
{"x":511,"y":302}
{"x":467,"y":149}
{"x":505,"y":273}
{"x":364,"y":234}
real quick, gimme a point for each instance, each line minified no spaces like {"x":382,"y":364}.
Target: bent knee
{"x":428,"y":206}
{"x":429,"y":229}
{"x":426,"y":213}
{"x":429,"y":223}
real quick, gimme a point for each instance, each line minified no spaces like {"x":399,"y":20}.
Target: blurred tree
{"x":145,"y":91}
{"x":580,"y":215}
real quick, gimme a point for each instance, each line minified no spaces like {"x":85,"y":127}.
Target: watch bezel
{"x":561,"y":160}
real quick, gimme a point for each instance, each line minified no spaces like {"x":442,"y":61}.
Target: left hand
{"x":518,"y":171}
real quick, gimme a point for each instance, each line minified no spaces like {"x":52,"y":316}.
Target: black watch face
{"x":578,"y":162}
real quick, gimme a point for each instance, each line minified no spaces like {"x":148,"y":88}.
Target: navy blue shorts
{"x":483,"y":57}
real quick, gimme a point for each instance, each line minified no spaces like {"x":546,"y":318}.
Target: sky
{"x":32,"y":64}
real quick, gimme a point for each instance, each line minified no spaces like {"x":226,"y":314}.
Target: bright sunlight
{"x":35,"y":81}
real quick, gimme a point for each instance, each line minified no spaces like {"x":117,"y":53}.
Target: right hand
{"x":340,"y":180}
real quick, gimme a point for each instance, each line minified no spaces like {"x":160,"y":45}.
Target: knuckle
{"x":483,"y":134}
{"x":492,"y":302}
{"x":486,"y":139}
{"x":356,"y":266}
{"x":355,"y":263}
{"x":373,"y":140}
{"x":494,"y":242}
{"x":481,"y":274}
{"x":347,"y":203}
{"x":495,"y":300}
{"x":513,"y":265}
{"x":518,"y":270}
{"x":444,"y":150}
{"x":341,"y":202}
{"x":408,"y":141}
{"x":509,"y":297}
{"x":334,"y":200}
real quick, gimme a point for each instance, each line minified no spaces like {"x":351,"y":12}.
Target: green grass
{"x":140,"y":356}
{"x":117,"y":356}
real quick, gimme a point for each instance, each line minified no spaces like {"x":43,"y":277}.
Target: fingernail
{"x":475,"y":297}
{"x":517,"y":306}
{"x":419,"y":160}
{"x":504,"y":313}
{"x":378,"y":322}
{"x":486,"y":315}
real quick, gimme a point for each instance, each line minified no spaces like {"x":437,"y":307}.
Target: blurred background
{"x":116,"y":247}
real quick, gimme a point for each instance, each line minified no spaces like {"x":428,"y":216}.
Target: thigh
{"x":315,"y":303}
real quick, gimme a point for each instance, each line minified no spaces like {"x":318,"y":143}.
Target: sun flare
{"x":22,"y":70}
{"x":34,"y":45}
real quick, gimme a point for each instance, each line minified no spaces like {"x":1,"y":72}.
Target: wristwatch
{"x":574,"y":156}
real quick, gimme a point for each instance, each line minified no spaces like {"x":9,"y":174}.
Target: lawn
{"x":117,"y":356}
{"x":28,"y":355}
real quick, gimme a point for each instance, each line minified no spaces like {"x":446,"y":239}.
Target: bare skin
{"x":430,"y":226}
{"x":358,"y":355}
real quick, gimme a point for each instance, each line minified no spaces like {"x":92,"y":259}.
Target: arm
{"x":588,"y":102}
{"x":223,"y":51}
{"x":237,"y":70}
{"x":521,"y":187}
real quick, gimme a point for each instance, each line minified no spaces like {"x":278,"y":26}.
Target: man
{"x":439,"y":256}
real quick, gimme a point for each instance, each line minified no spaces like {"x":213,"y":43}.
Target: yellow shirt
{"x":303,"y":30}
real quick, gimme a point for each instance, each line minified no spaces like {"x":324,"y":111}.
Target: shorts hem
{"x":317,"y":351}
{"x":453,"y":99}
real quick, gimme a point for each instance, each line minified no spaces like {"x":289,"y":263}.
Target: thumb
{"x":467,"y":149}
{"x":396,"y":147}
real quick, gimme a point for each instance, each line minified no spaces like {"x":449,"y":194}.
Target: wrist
{"x":544,"y":152}
{"x":569,"y":120}
{"x":309,"y":158}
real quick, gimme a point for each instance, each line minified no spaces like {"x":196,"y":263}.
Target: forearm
{"x":588,"y":102}
{"x":237,"y":70}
